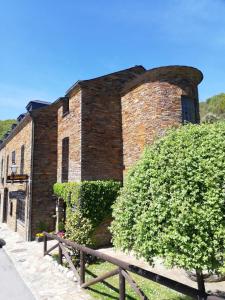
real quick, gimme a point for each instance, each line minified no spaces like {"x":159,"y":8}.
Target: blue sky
{"x":47,"y":45}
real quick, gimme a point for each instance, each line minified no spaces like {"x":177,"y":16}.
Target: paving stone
{"x":38,"y":272}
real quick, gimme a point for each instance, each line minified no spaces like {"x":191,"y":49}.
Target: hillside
{"x":5,"y":126}
{"x":213,"y":108}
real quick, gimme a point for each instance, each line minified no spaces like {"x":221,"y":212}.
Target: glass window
{"x":65,"y":159}
{"x":66,"y":106}
{"x":13,"y":157}
{"x":21,"y":210}
{"x":22,"y":159}
{"x":188,"y":110}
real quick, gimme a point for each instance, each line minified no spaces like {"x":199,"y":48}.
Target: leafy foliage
{"x":88,"y":204}
{"x":5,"y":126}
{"x":174,"y":199}
{"x":213,"y":108}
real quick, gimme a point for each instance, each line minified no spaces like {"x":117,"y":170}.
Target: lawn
{"x":109,"y":289}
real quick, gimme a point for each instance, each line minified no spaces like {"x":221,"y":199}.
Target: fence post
{"x":45,"y":244}
{"x":82,"y":267}
{"x":60,"y":255}
{"x":121,"y":285}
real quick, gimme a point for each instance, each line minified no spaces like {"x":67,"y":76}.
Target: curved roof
{"x":165,"y":73}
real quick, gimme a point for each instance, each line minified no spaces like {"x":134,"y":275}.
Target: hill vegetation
{"x":213,"y":108}
{"x":5,"y":125}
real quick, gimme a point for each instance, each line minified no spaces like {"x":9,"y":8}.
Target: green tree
{"x":213,"y":106}
{"x":5,"y":126}
{"x":172,"y":202}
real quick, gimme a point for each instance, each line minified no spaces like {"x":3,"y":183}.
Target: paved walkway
{"x":12,"y":286}
{"x":39,"y":273}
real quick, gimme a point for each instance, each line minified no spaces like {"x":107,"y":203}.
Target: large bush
{"x":88,"y":203}
{"x":172,"y":205}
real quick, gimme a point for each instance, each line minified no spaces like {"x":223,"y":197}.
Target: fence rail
{"x":122,"y":270}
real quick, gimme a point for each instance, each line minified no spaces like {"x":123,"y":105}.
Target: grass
{"x":109,"y":289}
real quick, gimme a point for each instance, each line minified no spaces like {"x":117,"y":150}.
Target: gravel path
{"x":39,"y":273}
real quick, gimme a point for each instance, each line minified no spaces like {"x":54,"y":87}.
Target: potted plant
{"x":39,"y":237}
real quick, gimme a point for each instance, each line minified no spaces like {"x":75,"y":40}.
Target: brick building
{"x":30,"y":149}
{"x":104,"y":123}
{"x":95,"y":132}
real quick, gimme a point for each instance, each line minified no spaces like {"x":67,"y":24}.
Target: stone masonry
{"x":153,"y":103}
{"x":93,"y":125}
{"x":37,"y":133}
{"x":97,"y":131}
{"x":113,"y":117}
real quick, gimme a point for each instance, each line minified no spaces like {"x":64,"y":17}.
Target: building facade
{"x":29,"y":150}
{"x":97,"y":131}
{"x":105,"y":123}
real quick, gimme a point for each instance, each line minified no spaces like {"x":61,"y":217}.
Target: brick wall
{"x":44,"y":169}
{"x":22,"y":135}
{"x":70,"y":126}
{"x":102,"y":152}
{"x":152,"y":104}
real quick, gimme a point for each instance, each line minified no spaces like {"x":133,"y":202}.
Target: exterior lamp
{"x":14,"y":169}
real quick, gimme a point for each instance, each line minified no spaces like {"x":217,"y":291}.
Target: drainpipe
{"x":29,"y":205}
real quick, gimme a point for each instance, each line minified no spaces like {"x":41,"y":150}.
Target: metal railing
{"x":122,"y":269}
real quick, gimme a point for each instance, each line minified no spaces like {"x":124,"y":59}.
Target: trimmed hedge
{"x":88,"y":204}
{"x":172,"y":205}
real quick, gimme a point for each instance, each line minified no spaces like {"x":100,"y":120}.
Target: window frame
{"x":189,"y":110}
{"x":22,"y":153}
{"x":21,"y":210}
{"x":65,"y":159}
{"x":13,"y":157}
{"x":65,"y":107}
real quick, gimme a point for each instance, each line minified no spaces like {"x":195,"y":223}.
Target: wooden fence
{"x":122,"y":269}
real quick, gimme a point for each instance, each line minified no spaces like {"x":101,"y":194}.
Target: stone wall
{"x":44,"y":169}
{"x":102,"y":151}
{"x":152,"y":104}
{"x":22,"y":135}
{"x":69,"y":126}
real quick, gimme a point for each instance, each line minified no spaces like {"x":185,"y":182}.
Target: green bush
{"x":172,"y":205}
{"x":88,"y":204}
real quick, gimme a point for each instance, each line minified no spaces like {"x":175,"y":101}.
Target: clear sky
{"x":47,"y":45}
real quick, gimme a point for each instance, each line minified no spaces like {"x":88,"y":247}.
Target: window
{"x":13,"y":157}
{"x":21,"y":210}
{"x":7,"y":166}
{"x":65,"y":159}
{"x":66,"y":106}
{"x":11,"y":208}
{"x":22,"y":159}
{"x":188,"y":110}
{"x":2,"y":165}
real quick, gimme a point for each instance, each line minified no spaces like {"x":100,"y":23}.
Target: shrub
{"x":175,"y":200}
{"x":88,"y":204}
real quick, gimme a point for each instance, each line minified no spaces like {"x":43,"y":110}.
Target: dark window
{"x":2,"y":164}
{"x":22,"y":160}
{"x":21,"y":210}
{"x":66,"y":106}
{"x":7,"y":166}
{"x":13,"y":157}
{"x":188,"y":110}
{"x":65,"y":159}
{"x":11,"y":208}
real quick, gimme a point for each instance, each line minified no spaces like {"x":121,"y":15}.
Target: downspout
{"x":29,"y":207}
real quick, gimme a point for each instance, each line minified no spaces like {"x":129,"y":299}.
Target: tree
{"x":215,"y":106}
{"x":172,"y":202}
{"x":5,"y":126}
